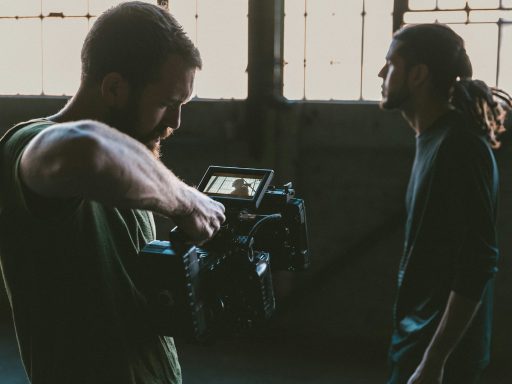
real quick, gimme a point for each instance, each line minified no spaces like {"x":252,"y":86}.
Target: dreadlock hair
{"x":443,"y":52}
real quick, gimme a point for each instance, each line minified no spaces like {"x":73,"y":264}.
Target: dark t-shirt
{"x":450,"y":240}
{"x":68,"y":266}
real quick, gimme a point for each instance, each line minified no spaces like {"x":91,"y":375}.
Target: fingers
{"x":205,"y":219}
{"x":217,"y":218}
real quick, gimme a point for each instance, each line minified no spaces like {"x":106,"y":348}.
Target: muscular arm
{"x":457,"y":317}
{"x":91,"y":160}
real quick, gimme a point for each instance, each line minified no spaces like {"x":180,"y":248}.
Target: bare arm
{"x":457,"y":317}
{"x":91,"y":160}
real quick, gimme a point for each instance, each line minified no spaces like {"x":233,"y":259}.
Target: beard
{"x":396,"y":97}
{"x":126,"y":120}
{"x":153,"y":140}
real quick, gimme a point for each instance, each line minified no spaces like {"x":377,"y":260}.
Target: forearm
{"x":457,"y":317}
{"x":94,"y":161}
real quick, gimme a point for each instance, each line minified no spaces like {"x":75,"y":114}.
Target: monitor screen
{"x":232,"y":184}
{"x":236,"y":187}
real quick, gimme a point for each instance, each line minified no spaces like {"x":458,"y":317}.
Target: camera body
{"x":225,"y":286}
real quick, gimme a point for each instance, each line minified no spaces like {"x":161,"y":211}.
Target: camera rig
{"x":225,"y":286}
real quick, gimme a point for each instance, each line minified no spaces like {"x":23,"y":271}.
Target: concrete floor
{"x":276,"y":358}
{"x":236,"y":362}
{"x":243,"y":362}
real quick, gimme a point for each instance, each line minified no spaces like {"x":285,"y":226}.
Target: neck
{"x":84,"y":105}
{"x":422,"y":113}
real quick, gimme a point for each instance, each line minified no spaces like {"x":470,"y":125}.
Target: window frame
{"x":265,"y":54}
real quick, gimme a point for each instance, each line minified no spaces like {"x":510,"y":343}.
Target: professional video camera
{"x":225,"y":286}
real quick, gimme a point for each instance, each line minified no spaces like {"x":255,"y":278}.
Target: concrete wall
{"x":350,"y":162}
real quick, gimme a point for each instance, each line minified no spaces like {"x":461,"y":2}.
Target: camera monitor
{"x":241,"y":187}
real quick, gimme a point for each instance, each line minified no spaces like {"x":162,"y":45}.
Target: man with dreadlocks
{"x":443,"y":309}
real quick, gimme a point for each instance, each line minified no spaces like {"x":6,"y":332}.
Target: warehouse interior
{"x":350,"y":162}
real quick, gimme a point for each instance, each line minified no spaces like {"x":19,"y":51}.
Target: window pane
{"x":333,"y":48}
{"x":98,"y":6}
{"x":222,"y":38}
{"x":185,"y":13}
{"x":62,"y":42}
{"x":333,"y":70}
{"x":484,"y":3}
{"x":221,"y":35}
{"x":20,"y":8}
{"x":439,"y":16}
{"x":489,"y":16}
{"x":377,"y":37}
{"x":20,"y":69}
{"x":507,"y":3}
{"x":293,"y":75}
{"x":505,"y":77}
{"x":422,"y":4}
{"x":451,"y":4}
{"x":482,"y":52}
{"x":68,"y":8}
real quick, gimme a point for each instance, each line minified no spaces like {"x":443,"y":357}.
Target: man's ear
{"x":115,"y":89}
{"x":418,"y":74}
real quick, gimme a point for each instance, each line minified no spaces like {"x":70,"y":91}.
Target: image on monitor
{"x":234,"y":185}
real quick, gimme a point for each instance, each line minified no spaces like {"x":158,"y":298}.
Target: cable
{"x":257,"y":225}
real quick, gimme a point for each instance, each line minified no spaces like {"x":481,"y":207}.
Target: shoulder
{"x":462,"y":141}
{"x":21,"y":134}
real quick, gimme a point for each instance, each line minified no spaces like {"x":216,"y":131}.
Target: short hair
{"x":134,"y":39}
{"x":443,"y":52}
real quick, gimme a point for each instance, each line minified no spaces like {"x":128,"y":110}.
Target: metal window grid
{"x":53,"y":15}
{"x":468,"y":10}
{"x":401,"y":7}
{"x":363,"y":16}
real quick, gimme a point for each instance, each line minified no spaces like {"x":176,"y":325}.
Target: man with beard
{"x":443,"y":309}
{"x":77,"y":192}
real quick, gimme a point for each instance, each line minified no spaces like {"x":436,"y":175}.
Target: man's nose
{"x":172,"y":117}
{"x":382,"y":73}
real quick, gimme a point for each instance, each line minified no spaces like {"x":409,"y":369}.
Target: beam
{"x":399,"y":9}
{"x":265,"y":68}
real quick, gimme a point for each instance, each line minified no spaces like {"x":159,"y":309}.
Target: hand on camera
{"x":203,"y":219}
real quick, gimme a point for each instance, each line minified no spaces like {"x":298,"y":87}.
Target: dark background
{"x":350,"y":162}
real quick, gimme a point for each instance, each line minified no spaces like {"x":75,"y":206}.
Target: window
{"x":486,"y":27}
{"x":334,"y":49}
{"x":220,"y":31}
{"x":40,"y":41}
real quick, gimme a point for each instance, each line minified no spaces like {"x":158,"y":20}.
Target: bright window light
{"x":483,"y":55}
{"x":40,"y":41}
{"x":220,"y":30}
{"x":323,"y":48}
{"x":505,"y":79}
{"x":61,"y":54}
{"x":451,"y":4}
{"x":20,"y":69}
{"x":422,"y":4}
{"x":486,"y":20}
